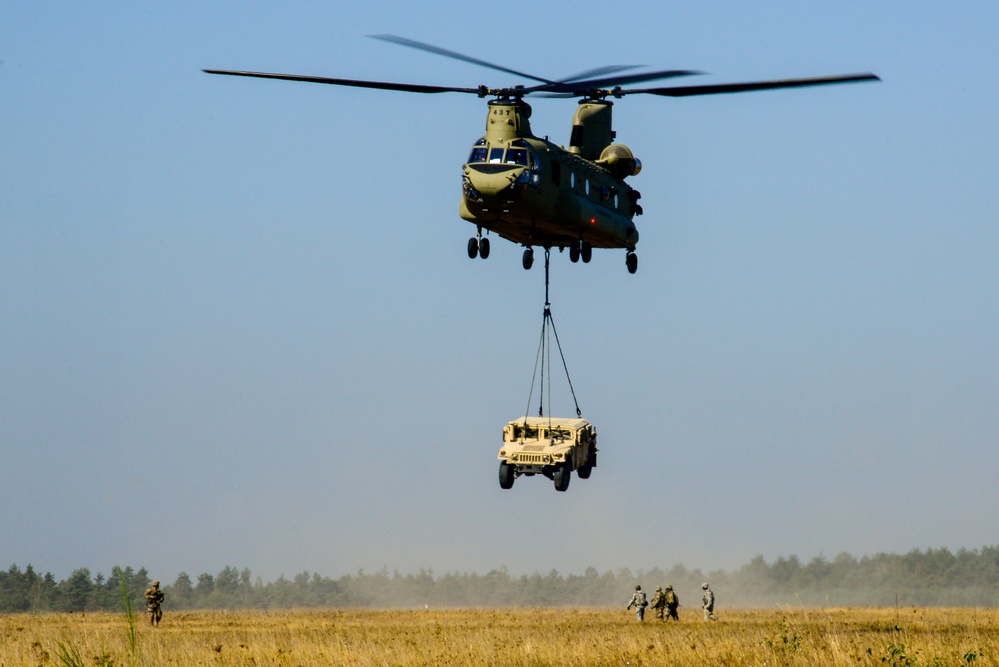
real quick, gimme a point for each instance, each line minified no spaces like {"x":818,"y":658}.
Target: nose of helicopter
{"x":489,"y":180}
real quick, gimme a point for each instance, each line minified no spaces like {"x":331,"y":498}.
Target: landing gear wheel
{"x":631,"y":261}
{"x":483,"y":248}
{"x":473,"y":248}
{"x":586,"y":252}
{"x":528,"y":258}
{"x":561,"y":477}
{"x":574,"y":253}
{"x":506,"y":475}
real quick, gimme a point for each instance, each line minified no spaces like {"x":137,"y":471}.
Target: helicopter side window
{"x":496,"y":155}
{"x":478,"y":154}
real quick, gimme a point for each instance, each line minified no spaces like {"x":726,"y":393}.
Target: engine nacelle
{"x":619,"y":161}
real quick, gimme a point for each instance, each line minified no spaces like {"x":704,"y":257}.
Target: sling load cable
{"x":544,"y":346}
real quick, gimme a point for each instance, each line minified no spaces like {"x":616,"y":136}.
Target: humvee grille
{"x":532,"y":458}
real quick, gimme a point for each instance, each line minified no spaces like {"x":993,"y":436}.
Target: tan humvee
{"x":553,"y":447}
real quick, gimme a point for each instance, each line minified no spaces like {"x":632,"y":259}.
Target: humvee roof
{"x":574,"y":423}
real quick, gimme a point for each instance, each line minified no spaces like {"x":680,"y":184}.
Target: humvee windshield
{"x":521,"y":432}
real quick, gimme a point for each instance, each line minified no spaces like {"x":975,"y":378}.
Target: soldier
{"x":639,"y":603}
{"x":672,"y":602}
{"x":659,"y":602}
{"x":708,"y":603}
{"x":154,"y":598}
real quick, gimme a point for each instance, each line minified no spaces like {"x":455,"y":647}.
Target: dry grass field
{"x":508,"y":636}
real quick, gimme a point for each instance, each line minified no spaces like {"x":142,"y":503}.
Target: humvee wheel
{"x":584,"y":471}
{"x":483,"y":248}
{"x":528,"y":258}
{"x":561,"y":477}
{"x":473,"y":248}
{"x":506,"y":475}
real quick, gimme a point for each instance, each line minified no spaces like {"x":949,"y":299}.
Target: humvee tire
{"x":561,"y":476}
{"x":506,"y":475}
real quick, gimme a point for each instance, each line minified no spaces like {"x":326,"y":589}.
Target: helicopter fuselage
{"x":533,"y":192}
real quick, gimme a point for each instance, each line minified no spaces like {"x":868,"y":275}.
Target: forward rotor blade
{"x":413,"y":44}
{"x":380,"y":85}
{"x":716,"y":89}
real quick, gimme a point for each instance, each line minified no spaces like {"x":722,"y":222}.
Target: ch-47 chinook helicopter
{"x":533,"y":192}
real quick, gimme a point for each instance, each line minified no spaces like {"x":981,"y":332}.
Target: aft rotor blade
{"x":716,"y":89}
{"x":413,"y":44}
{"x":583,"y":87}
{"x":609,"y":69}
{"x":380,"y":85}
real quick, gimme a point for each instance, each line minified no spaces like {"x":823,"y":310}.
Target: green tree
{"x":14,"y":590}
{"x":76,"y":592}
{"x":181,"y":593}
{"x":203,"y":589}
{"x":107,"y":593}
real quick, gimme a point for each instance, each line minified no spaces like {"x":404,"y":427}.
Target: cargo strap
{"x":544,"y":352}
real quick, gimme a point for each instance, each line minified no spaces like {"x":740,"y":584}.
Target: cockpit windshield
{"x":518,"y":152}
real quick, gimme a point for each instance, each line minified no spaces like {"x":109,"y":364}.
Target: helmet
{"x":659,"y":588}
{"x":704,"y":585}
{"x":638,"y":588}
{"x":156,"y":583}
{"x":669,"y":587}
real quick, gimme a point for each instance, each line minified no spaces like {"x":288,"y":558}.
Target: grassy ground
{"x":544,"y":636}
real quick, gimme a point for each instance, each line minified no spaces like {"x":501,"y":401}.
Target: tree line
{"x":934,"y":577}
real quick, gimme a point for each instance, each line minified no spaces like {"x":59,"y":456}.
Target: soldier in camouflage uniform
{"x":672,"y":603}
{"x":708,"y":603}
{"x":659,"y":602}
{"x":639,"y":602}
{"x":154,"y":598}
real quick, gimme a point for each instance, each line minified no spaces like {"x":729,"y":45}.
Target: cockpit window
{"x":520,"y":152}
{"x":496,"y":155}
{"x":517,"y":156}
{"x":478,"y":154}
{"x":479,"y":151}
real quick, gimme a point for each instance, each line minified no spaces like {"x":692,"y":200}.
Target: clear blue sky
{"x":239,"y":326}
